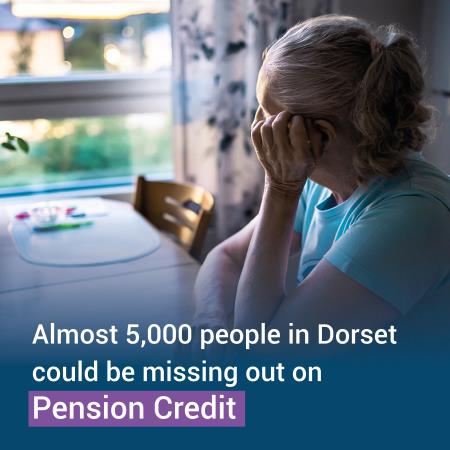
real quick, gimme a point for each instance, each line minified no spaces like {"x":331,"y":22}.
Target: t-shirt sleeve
{"x":398,"y":249}
{"x":301,"y":209}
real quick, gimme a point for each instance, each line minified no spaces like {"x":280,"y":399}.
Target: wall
{"x":407,"y":13}
{"x":436,"y":38}
{"x":429,"y":21}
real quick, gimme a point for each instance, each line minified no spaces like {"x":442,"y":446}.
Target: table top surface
{"x":17,"y":274}
{"x":156,"y":288}
{"x":96,"y":233}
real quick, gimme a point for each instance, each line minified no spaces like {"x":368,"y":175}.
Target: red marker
{"x":22,"y":216}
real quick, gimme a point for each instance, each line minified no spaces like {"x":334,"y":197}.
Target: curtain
{"x":217,"y":48}
{"x":86,"y":9}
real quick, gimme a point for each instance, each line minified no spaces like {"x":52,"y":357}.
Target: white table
{"x":154,"y":289}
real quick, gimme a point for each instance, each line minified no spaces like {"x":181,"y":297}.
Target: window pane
{"x":71,"y":151}
{"x":47,"y":39}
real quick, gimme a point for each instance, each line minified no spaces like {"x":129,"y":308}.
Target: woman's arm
{"x":329,"y":296}
{"x":326,"y":295}
{"x":215,"y":287}
{"x":262,"y":283}
{"x":285,"y":150}
{"x":217,"y":280}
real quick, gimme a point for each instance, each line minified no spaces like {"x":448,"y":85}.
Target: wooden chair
{"x":182,"y":210}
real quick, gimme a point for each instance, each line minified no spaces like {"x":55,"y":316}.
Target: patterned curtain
{"x":217,"y":47}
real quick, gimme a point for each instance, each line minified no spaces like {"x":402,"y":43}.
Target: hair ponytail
{"x":388,"y":113}
{"x":370,"y":83}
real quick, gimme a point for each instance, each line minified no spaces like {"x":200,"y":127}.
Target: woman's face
{"x":268,"y":106}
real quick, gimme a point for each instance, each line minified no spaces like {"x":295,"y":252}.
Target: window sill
{"x":123,"y":192}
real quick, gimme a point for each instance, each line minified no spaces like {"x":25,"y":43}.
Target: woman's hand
{"x":288,"y":147}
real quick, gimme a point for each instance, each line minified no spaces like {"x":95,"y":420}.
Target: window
{"x":72,"y":153}
{"x":87,"y":82}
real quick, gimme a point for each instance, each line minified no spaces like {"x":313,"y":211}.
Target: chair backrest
{"x":183,"y":210}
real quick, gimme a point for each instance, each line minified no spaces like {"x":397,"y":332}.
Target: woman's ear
{"x":326,"y":129}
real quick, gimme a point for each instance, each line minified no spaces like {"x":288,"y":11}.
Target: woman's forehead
{"x":264,"y":95}
{"x":261,"y":85}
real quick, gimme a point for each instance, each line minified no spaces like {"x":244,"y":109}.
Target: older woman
{"x":338,"y":131}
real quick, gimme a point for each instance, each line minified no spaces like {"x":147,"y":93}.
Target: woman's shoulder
{"x":429,"y":180}
{"x":418,"y":179}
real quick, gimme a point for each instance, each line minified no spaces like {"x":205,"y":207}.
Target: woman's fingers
{"x":315,"y":138}
{"x":299,"y":137}
{"x":256,"y":135}
{"x":257,"y":141}
{"x":267,"y":133}
{"x":287,"y":146}
{"x":268,"y":156}
{"x":280,"y":128}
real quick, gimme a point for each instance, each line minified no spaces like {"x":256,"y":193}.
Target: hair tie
{"x":375,"y":47}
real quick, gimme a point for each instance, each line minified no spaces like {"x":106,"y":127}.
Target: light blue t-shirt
{"x":392,"y":237}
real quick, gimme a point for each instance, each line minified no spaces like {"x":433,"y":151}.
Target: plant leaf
{"x":8,"y":146}
{"x":9,"y":137}
{"x":23,"y":144}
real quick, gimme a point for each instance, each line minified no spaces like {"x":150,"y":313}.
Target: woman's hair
{"x":368,"y":83}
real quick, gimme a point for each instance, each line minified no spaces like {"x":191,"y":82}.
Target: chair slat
{"x":183,"y":215}
{"x":171,"y":207}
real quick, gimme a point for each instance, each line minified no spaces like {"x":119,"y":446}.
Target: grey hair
{"x":368,"y":83}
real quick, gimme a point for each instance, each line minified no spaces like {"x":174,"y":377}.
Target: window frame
{"x":84,"y":95}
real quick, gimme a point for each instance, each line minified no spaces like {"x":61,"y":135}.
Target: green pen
{"x":64,"y":226}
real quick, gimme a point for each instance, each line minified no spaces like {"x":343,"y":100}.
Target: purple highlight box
{"x":136,"y":408}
